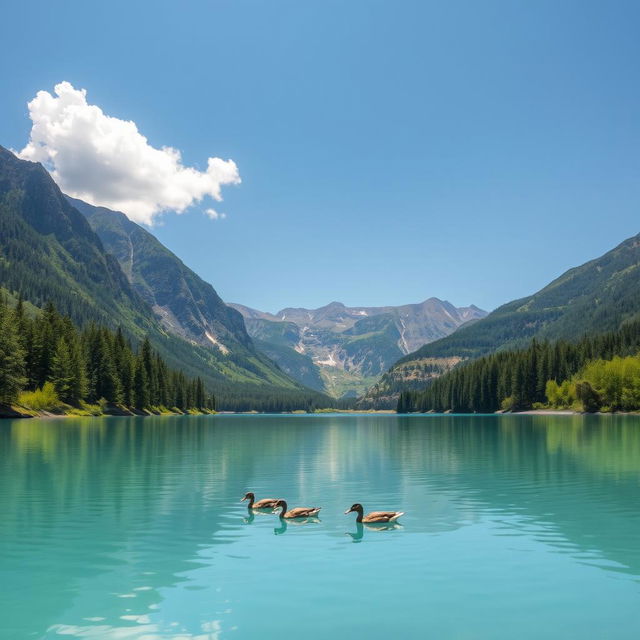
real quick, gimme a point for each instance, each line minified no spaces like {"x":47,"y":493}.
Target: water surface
{"x":515,"y":527}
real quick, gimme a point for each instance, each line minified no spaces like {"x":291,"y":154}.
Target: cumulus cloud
{"x":108,"y":162}
{"x":214,"y":215}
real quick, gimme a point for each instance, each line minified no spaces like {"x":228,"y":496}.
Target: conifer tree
{"x":141,"y":384}
{"x":199,"y":401}
{"x":61,"y":371}
{"x":11,"y":357}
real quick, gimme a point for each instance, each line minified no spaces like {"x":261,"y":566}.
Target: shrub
{"x":43,"y":399}
{"x":508,"y":404}
{"x":560,"y":396}
{"x":588,"y":396}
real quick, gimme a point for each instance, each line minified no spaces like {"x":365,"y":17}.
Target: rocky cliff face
{"x":350,"y":347}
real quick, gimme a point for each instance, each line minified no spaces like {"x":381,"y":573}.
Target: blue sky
{"x":388,"y":151}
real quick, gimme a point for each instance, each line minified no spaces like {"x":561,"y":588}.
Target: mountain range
{"x":599,"y":296}
{"x":98,"y":266}
{"x":343,"y":350}
{"x":104,"y":268}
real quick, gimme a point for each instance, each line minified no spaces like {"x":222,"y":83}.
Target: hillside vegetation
{"x":599,"y":296}
{"x":557,"y":374}
{"x":50,"y":253}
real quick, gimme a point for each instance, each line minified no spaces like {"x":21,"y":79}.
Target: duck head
{"x":248,"y":496}
{"x":357,"y":507}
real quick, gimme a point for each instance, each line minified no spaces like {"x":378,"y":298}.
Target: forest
{"x":596,"y":373}
{"x":47,"y":363}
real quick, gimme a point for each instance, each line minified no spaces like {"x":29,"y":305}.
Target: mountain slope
{"x":600,"y":295}
{"x":48,"y":251}
{"x":349,"y":347}
{"x":186,"y":305}
{"x":597,"y":296}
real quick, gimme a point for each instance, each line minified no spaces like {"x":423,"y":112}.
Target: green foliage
{"x":409,"y":376}
{"x":615,"y":383}
{"x":49,"y":252}
{"x":297,"y":365}
{"x":68,"y":371}
{"x":601,"y":385}
{"x":60,"y":364}
{"x":42,"y":399}
{"x":518,"y":379}
{"x":560,"y":396}
{"x":11,"y":355}
{"x":600,"y":296}
{"x":588,"y":396}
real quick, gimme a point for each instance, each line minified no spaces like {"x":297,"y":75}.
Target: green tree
{"x":588,"y":396}
{"x":141,"y":384}
{"x":61,"y":371}
{"x":11,"y":357}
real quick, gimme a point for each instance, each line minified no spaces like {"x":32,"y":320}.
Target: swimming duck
{"x":296,"y":512}
{"x":265,"y":503}
{"x":375,"y":516}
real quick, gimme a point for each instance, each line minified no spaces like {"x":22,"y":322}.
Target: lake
{"x":515,"y":527}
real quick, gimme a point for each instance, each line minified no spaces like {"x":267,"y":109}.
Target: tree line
{"x":519,"y":379}
{"x":92,"y":365}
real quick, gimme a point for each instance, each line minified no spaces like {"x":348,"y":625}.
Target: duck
{"x":265,"y":503}
{"x":296,"y":512}
{"x":375,"y":517}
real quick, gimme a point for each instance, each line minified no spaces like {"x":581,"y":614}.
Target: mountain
{"x":186,"y":305}
{"x":343,"y":350}
{"x":598,"y":296}
{"x":49,"y":251}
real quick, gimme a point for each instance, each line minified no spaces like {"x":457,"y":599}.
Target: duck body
{"x":296,"y":512}
{"x":265,"y":503}
{"x":374,"y":517}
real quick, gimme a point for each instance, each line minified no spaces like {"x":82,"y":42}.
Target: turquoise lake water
{"x":515,"y":527}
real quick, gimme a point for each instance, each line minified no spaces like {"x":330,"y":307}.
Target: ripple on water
{"x":144,"y":536}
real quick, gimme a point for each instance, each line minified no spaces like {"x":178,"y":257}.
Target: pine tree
{"x":103,"y":379}
{"x":11,"y":357}
{"x":61,"y":371}
{"x":140,"y":384}
{"x":146,"y":355}
{"x":199,"y":395}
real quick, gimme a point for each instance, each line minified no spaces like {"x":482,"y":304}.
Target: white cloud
{"x":214,"y":215}
{"x":108,"y":162}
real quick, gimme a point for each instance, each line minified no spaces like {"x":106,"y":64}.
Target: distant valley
{"x":344,"y":350}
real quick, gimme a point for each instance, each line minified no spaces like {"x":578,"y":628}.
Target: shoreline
{"x":571,"y":412}
{"x":544,"y":412}
{"x":22,"y":413}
